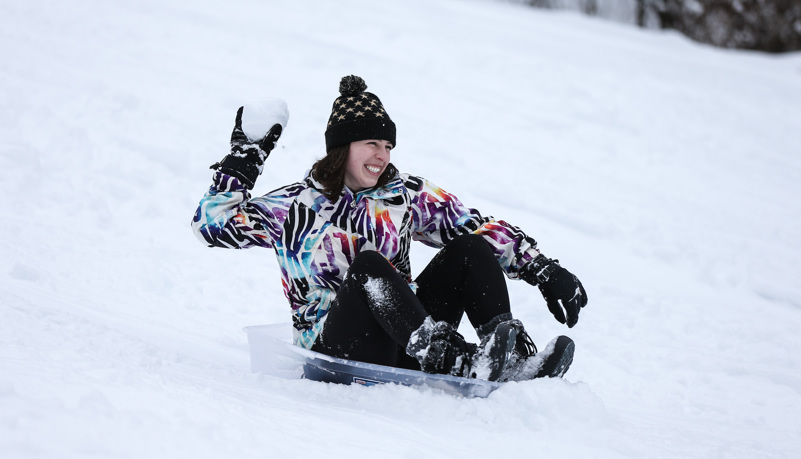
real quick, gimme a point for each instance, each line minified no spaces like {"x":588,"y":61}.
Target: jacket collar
{"x":392,"y":189}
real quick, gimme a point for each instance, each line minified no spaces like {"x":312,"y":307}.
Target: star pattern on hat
{"x":358,"y":106}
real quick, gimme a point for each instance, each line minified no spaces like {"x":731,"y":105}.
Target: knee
{"x":469,"y":244}
{"x":369,"y":256}
{"x":472,"y":249}
{"x":468,"y":239}
{"x":368,"y":262}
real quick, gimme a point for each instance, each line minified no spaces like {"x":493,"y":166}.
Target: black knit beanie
{"x":357,"y":115}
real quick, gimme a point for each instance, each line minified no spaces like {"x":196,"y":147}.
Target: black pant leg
{"x":464,"y":277}
{"x":373,"y":316}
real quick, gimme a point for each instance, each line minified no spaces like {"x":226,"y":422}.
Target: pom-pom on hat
{"x":357,"y":115}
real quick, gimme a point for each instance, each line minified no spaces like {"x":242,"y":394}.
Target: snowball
{"x":259,"y":117}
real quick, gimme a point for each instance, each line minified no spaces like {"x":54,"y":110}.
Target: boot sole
{"x":557,"y":364}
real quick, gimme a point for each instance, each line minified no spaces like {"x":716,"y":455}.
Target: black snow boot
{"x":441,"y":349}
{"x":528,"y":363}
{"x":498,"y":341}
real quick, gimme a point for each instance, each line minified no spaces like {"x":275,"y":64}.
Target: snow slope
{"x":664,"y":173}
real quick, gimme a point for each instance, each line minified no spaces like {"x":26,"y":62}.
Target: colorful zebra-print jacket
{"x":316,"y":240}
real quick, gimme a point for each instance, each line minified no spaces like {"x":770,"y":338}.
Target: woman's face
{"x":367,"y":160}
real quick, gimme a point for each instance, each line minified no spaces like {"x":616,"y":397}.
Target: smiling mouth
{"x":373,"y":169}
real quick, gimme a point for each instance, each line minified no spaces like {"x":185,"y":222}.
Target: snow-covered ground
{"x":666,"y":174}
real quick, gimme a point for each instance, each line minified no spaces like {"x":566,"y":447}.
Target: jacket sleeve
{"x":438,"y":217}
{"x":227,"y":217}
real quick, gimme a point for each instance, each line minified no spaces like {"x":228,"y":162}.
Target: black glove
{"x":246,"y":160}
{"x":562,"y":291}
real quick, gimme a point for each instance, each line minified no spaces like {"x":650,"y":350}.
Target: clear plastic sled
{"x":272,"y":352}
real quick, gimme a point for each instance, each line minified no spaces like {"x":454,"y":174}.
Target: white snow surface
{"x":664,"y":173}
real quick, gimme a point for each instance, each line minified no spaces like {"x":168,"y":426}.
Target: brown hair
{"x":330,"y":172}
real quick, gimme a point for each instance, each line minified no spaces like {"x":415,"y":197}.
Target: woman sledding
{"x":342,"y":237}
